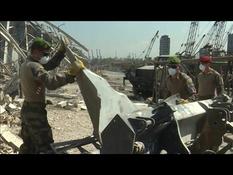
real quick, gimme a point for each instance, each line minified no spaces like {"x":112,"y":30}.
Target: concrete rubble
{"x":9,"y":142}
{"x":72,"y":104}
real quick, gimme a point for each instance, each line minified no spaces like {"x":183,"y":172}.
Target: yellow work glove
{"x":182,"y":101}
{"x":75,"y":68}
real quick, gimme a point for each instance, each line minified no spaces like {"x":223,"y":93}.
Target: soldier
{"x":210,"y":82}
{"x":177,"y":81}
{"x":36,"y":131}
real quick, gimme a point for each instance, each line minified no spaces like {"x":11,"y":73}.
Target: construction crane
{"x":191,"y":38}
{"x":219,"y":35}
{"x":151,"y":45}
{"x":224,"y":41}
{"x":194,"y":51}
{"x":210,"y":35}
{"x":100,"y":54}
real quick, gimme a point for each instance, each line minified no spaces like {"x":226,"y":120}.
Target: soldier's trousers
{"x":36,"y":131}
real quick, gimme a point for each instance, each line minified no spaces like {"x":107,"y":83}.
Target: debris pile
{"x":72,"y":104}
{"x":9,"y":142}
{"x":9,"y":123}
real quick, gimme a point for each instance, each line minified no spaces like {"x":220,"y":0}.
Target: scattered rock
{"x":7,"y":99}
{"x":2,"y":109}
{"x":11,"y":108}
{"x":69,"y":106}
{"x":83,"y":107}
{"x":75,"y":103}
{"x":49,"y":102}
{"x":12,"y":139}
{"x":18,"y":101}
{"x":1,"y":97}
{"x":62,"y":104}
{"x":81,"y":102}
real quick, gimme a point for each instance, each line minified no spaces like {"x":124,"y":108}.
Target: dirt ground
{"x":74,"y":123}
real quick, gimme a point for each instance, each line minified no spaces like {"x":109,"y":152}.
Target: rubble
{"x":62,"y":104}
{"x":18,"y":101}
{"x":11,"y":87}
{"x":11,"y":108}
{"x":9,"y":142}
{"x":65,"y":96}
{"x":75,"y":103}
{"x":12,"y":139}
{"x":7,"y":99}
{"x":83,"y":107}
{"x":2,"y":109}
{"x":1,"y":97}
{"x":69,"y":105}
{"x":4,"y":148}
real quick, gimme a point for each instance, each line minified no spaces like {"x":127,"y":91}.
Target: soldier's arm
{"x":54,"y":61}
{"x":190,"y":86}
{"x":167,"y":93}
{"x":50,"y":81}
{"x":219,"y":84}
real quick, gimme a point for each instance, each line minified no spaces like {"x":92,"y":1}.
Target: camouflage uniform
{"x":181,"y":84}
{"x":209,"y":85}
{"x":36,"y":131}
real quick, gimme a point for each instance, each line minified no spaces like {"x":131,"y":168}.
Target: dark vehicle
{"x":142,"y":80}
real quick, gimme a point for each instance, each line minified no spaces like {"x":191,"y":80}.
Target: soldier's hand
{"x":182,"y":101}
{"x":76,"y":68}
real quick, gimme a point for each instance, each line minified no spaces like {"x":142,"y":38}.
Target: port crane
{"x":219,"y":35}
{"x":189,"y":46}
{"x":151,"y":45}
{"x":224,"y":41}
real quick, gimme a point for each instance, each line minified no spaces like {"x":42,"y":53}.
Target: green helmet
{"x":40,"y":43}
{"x":174,"y":60}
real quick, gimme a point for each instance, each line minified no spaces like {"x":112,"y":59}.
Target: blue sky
{"x":129,"y":37}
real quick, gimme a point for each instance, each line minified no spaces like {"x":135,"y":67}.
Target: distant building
{"x":230,"y":44}
{"x":164,"y":47}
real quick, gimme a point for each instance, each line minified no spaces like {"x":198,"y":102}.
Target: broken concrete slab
{"x":7,"y":99}
{"x":2,"y":109}
{"x":62,"y":104}
{"x":1,"y":97}
{"x":75,"y":103}
{"x":69,"y":106}
{"x":81,"y":102}
{"x":3,"y":128}
{"x":18,"y":101}
{"x":12,"y":139}
{"x":11,"y":107}
{"x":83,"y":107}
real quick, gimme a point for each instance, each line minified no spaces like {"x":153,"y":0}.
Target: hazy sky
{"x":127,"y":37}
